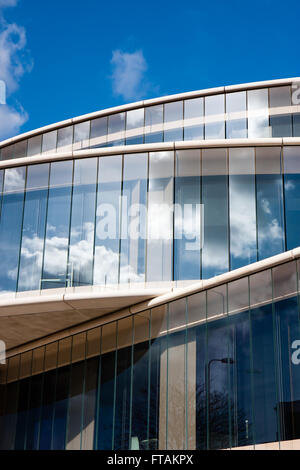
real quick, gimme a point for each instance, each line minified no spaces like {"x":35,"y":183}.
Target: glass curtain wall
{"x":217,"y":369}
{"x":256,"y":113}
{"x":142,"y":217}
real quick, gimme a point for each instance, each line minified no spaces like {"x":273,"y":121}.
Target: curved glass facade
{"x":146,"y":217}
{"x":213,"y":365}
{"x":253,"y":113}
{"x":216,"y":369}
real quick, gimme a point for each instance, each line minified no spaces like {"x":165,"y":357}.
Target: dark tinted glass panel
{"x":106,"y":402}
{"x":47,"y":412}
{"x":264,"y":377}
{"x":296,"y":125}
{"x":34,"y":412}
{"x":61,"y":408}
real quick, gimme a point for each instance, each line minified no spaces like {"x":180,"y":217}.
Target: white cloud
{"x":11,"y":120}
{"x":14,"y":63}
{"x":8,"y":3}
{"x":128,"y":77}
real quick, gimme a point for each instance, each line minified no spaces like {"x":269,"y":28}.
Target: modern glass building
{"x":149,"y":281}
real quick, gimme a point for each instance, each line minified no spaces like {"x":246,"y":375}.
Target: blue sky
{"x":63,"y":58}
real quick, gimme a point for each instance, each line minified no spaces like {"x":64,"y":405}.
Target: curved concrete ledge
{"x":156,"y":147}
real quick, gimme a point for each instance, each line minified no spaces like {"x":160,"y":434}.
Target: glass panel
{"x":9,"y":419}
{"x":173,"y":111}
{"x":296,"y":126}
{"x":269,"y":201}
{"x":61,"y":408}
{"x":281,"y":124}
{"x":238,"y":366}
{"x":7,"y":152}
{"x":123,"y":384}
{"x":141,"y":369}
{"x":64,"y":351}
{"x":153,"y":124}
{"x":242,"y":207}
{"x":48,"y":398}
{"x":263,"y":375}
{"x":236,"y":107}
{"x":34,"y":145}
{"x":160,"y":217}
{"x":133,"y":231}
{"x":78,"y":347}
{"x":216,"y":302}
{"x":135,"y":119}
{"x":33,"y":415}
{"x":158,"y":379}
{"x":196,"y":309}
{"x":65,"y":139}
{"x":33,"y":230}
{"x":280,"y":96}
{"x":20,"y":149}
{"x":24,"y":394}
{"x":188,"y":216}
{"x":89,"y":404}
{"x":193,"y":119}
{"x":93,"y":342}
{"x":214,"y":117}
{"x":98,"y":132}
{"x":238,"y":295}
{"x":291,"y":159}
{"x":134,"y":126}
{"x":75,"y":406}
{"x":80,"y":266}
{"x":258,"y":114}
{"x":219,"y":362}
{"x":11,"y":226}
{"x":116,"y":126}
{"x":177,"y":376}
{"x":105,"y":413}
{"x":106,"y":267}
{"x":173,"y":115}
{"x":49,"y":142}
{"x":38,"y":359}
{"x":57,"y":228}
{"x":260,"y":288}
{"x":171,"y":135}
{"x":26,"y":364}
{"x":215,"y":258}
{"x":81,"y":135}
{"x":284,"y":281}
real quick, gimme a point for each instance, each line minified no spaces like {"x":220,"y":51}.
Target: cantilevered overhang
{"x":25,"y":317}
{"x":33,"y":319}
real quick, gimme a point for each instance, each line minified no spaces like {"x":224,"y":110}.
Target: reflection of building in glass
{"x":130,"y":321}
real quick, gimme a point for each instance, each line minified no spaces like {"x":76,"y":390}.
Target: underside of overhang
{"x":26,"y":319}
